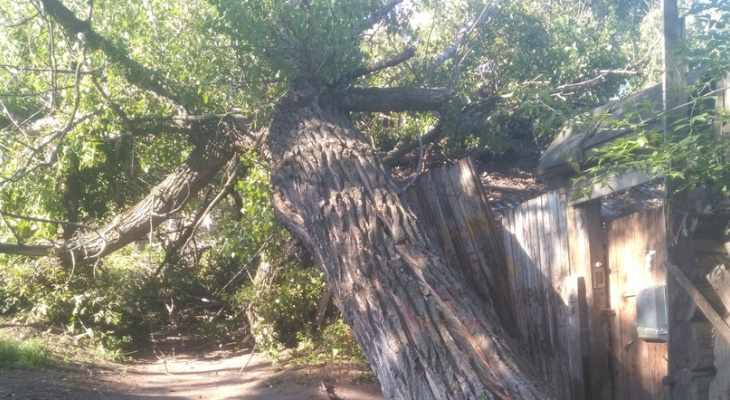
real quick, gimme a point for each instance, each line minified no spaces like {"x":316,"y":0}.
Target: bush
{"x":15,"y":353}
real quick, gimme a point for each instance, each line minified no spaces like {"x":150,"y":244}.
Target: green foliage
{"x":335,"y":342}
{"x":26,"y":353}
{"x":284,"y":306}
{"x":694,"y":151}
{"x":520,"y":53}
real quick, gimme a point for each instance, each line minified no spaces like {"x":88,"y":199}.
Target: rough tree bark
{"x":426,"y":335}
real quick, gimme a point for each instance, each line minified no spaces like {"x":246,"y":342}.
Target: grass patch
{"x":26,"y":353}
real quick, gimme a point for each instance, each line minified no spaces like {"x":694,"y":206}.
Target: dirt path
{"x":214,"y":375}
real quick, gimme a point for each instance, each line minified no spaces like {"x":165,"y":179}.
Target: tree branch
{"x":393,"y":99}
{"x":28,"y":251}
{"x":380,"y":65}
{"x":135,"y":73}
{"x":219,"y":142}
{"x":591,"y":83}
{"x":394,"y":155}
{"x":449,"y":51}
{"x":381,"y":13}
{"x":436,"y":133}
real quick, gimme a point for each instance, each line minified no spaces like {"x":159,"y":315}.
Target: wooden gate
{"x":636,"y":253}
{"x":573,"y":285}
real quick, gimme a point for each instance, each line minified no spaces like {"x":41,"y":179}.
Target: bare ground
{"x":79,"y":374}
{"x":214,"y":375}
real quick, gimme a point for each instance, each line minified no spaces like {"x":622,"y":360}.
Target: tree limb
{"x":381,"y":13}
{"x":220,"y":141}
{"x":591,"y":83}
{"x":436,"y":133}
{"x":135,"y":73}
{"x":449,"y":51}
{"x":208,"y":205}
{"x":380,"y":65}
{"x":393,"y":99}
{"x":28,"y":251}
{"x":394,"y":155}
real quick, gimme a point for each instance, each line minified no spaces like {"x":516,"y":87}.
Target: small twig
{"x":419,"y":169}
{"x":44,"y":220}
{"x":250,"y":357}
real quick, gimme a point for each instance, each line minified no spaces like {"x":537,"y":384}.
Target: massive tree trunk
{"x":426,"y":334}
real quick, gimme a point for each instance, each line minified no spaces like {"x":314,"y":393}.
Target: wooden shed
{"x":641,"y":290}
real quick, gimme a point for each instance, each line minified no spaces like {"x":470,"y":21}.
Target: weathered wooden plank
{"x":719,"y":278}
{"x":552,"y":301}
{"x":512,"y":248}
{"x":720,"y":326}
{"x":479,"y":229}
{"x":570,"y":326}
{"x":720,"y":386}
{"x":569,"y":345}
{"x":521,"y":263}
{"x":452,"y":206}
{"x":534,"y":288}
{"x":655,"y":237}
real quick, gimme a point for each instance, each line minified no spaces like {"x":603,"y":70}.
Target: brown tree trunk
{"x":426,"y":334}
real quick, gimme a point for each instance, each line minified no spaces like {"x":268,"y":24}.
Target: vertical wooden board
{"x":537,"y":303}
{"x":520,"y":257}
{"x":479,"y":224}
{"x":434,"y":221}
{"x":551,"y":300}
{"x":569,"y":353}
{"x":507,"y":239}
{"x":545,"y":233}
{"x":516,"y":255}
{"x":443,"y":198}
{"x":567,"y":319}
{"x":535,"y":329}
{"x":545,"y":288}
{"x":513,"y":250}
{"x":450,"y":182}
{"x":720,"y":386}
{"x":615,"y":298}
{"x":659,"y":352}
{"x":570,"y":327}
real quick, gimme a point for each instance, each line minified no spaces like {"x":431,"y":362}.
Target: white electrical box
{"x":651,"y":314}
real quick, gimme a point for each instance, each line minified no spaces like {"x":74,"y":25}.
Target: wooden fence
{"x":575,"y":312}
{"x":550,"y":302}
{"x":567,"y":289}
